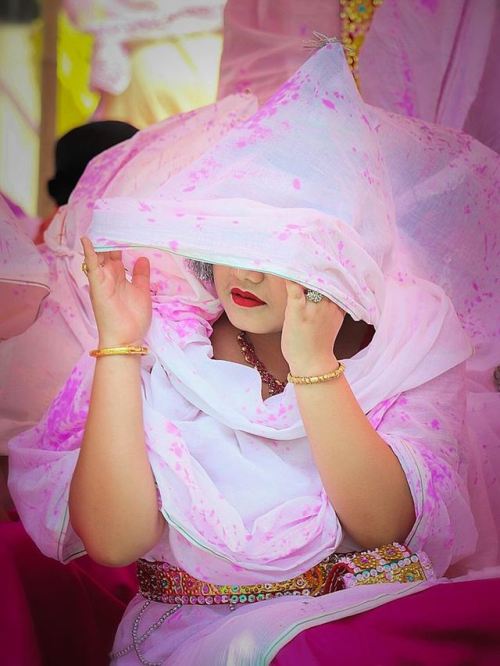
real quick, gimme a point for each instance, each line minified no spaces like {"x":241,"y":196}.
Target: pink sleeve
{"x":41,"y":464}
{"x":425,"y":429}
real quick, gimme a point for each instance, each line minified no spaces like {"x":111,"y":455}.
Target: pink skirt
{"x":450,"y":624}
{"x":55,"y":614}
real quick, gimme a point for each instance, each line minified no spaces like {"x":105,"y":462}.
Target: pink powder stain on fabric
{"x":176,"y":449}
{"x":172,"y":428}
{"x":189,"y":188}
{"x":435,"y":424}
{"x":173,"y":245}
{"x":297,"y":183}
{"x":365,"y":120}
{"x":144,"y":207}
{"x":328,"y":103}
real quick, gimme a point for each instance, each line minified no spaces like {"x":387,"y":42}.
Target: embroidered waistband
{"x":163,"y":582}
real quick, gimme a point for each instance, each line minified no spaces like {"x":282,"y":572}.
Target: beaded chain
{"x":137,"y":640}
{"x":250,"y":356}
{"x":356,"y":17}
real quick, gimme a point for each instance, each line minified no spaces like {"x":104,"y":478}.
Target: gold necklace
{"x":250,"y":356}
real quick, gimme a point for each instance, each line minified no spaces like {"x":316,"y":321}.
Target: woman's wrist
{"x":317,"y":365}
{"x":106,"y":342}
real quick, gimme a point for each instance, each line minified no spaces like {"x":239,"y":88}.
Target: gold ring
{"x":85,"y":268}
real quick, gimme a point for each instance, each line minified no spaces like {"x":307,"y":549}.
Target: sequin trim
{"x":165,"y":583}
{"x":356,"y":17}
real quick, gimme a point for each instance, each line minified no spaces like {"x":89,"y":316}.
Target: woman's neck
{"x":267,"y":347}
{"x":352,"y":337}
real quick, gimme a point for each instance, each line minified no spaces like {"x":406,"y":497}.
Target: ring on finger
{"x":314,"y":296}
{"x":85,"y":268}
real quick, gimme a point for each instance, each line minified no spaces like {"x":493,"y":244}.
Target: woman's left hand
{"x":309,"y":332}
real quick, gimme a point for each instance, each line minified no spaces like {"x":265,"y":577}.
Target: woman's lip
{"x":245,"y":299}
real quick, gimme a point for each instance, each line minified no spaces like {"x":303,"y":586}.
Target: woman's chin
{"x":251,"y":322}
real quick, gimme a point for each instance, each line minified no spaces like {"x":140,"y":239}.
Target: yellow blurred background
{"x":168,"y":75}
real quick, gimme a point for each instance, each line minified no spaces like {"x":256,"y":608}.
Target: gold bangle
{"x":139,"y":350}
{"x":317,"y":379}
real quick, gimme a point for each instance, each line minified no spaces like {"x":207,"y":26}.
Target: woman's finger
{"x":141,"y":273}
{"x":91,"y":258}
{"x":295,"y":292}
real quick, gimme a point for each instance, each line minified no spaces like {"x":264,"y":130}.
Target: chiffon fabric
{"x":24,"y":276}
{"x":365,"y":207}
{"x":431,"y":59}
{"x":35,"y":364}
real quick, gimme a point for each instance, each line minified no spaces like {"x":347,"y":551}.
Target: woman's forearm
{"x":113,"y":502}
{"x":361,"y":475}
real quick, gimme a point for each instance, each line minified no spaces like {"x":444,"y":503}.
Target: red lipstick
{"x":245,"y":299}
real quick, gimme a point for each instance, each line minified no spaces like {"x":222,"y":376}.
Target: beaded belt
{"x":160,"y":581}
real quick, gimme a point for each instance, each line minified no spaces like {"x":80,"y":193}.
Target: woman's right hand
{"x":122,"y":309}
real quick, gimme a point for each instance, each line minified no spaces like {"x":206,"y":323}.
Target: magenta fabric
{"x":449,"y":624}
{"x":55,"y":614}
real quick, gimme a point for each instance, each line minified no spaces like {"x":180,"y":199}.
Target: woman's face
{"x":254,"y":302}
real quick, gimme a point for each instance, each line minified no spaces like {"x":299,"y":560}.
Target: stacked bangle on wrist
{"x":317,"y":379}
{"x":127,"y":350}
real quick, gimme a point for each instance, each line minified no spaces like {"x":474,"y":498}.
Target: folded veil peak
{"x":310,"y":148}
{"x":319,"y":39}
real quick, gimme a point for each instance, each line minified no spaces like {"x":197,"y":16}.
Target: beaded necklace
{"x":250,"y":356}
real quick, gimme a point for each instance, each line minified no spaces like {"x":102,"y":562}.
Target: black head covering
{"x":75,"y":149}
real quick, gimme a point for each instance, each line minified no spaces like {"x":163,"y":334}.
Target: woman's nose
{"x":255,"y":277}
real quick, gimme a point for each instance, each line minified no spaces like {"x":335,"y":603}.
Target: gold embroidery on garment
{"x":163,"y":582}
{"x":355,"y":18}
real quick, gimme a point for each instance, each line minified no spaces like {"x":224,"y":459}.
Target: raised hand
{"x":122,"y":309}
{"x":309,"y":333}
